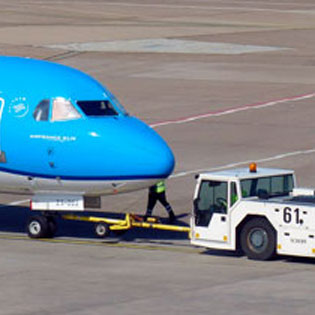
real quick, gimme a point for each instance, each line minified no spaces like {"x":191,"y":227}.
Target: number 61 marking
{"x":289,"y":215}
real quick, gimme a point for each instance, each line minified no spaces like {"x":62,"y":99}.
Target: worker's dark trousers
{"x":153,"y":198}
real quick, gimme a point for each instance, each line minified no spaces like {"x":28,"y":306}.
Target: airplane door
{"x":44,"y":135}
{"x":56,"y":131}
{"x":210,"y":211}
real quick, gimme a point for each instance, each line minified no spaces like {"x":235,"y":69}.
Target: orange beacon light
{"x":253,"y":167}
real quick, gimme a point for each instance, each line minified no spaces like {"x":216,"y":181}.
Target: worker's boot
{"x":172,"y":217}
{"x":147,"y":215}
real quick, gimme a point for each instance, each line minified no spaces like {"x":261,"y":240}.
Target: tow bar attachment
{"x":103,"y":225}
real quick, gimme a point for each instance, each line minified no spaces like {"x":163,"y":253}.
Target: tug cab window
{"x":97,"y":108}
{"x":62,"y":110}
{"x":41,"y":112}
{"x":233,"y":194}
{"x":274,"y":186}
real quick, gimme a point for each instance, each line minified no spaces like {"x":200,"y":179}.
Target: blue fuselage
{"x":59,"y":124}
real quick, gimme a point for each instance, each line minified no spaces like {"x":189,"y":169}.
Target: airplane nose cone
{"x":156,"y":158}
{"x":124,"y":148}
{"x":150,"y":155}
{"x":137,"y":151}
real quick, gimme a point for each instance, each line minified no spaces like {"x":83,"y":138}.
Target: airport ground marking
{"x":229,"y":111}
{"x":242,"y":163}
{"x":209,"y":8}
{"x":159,"y":247}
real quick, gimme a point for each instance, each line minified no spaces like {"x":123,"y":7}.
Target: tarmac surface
{"x":246,"y":94}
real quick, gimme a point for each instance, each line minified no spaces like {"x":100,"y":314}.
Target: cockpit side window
{"x":97,"y":108}
{"x":41,"y":112}
{"x":63,"y":110}
{"x":115,"y":102}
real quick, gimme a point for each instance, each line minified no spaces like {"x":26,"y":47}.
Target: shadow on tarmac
{"x":240,"y":254}
{"x":14,"y":218}
{"x":222,"y":253}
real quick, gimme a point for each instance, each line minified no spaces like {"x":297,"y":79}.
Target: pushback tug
{"x":257,"y":210}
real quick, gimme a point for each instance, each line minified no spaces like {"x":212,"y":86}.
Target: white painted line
{"x":166,"y":45}
{"x":234,"y":110}
{"x":15,"y":203}
{"x":210,"y":8}
{"x":237,"y":164}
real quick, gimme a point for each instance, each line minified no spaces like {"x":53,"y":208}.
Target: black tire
{"x":102,"y":229}
{"x":52,"y":226}
{"x":258,"y":239}
{"x":37,"y":227}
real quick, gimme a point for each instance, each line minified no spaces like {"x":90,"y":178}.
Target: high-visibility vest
{"x":160,"y":187}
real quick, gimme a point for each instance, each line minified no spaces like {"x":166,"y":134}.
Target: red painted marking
{"x":232,"y":110}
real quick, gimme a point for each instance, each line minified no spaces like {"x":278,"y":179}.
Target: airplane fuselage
{"x":62,"y":131}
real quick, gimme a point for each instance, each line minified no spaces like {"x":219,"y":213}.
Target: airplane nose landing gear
{"x":39,"y":226}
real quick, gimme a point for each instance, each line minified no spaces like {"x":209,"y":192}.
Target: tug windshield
{"x":272,"y":186}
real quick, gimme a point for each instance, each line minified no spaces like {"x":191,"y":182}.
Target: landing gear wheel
{"x":258,"y":239}
{"x":37,"y":227}
{"x":102,"y":229}
{"x":52,"y":226}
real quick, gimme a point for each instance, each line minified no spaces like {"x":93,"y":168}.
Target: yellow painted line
{"x":160,"y":247}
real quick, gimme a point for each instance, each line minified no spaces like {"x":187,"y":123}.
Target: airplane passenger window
{"x":41,"y":112}
{"x":97,"y":108}
{"x":63,"y":110}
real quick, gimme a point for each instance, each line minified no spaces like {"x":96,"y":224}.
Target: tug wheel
{"x":102,"y":229}
{"x":258,"y":239}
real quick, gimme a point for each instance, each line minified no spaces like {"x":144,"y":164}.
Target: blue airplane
{"x":65,"y":140}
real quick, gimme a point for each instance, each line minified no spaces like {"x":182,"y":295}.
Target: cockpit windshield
{"x":116,"y":103}
{"x":97,"y":108}
{"x":41,"y":112}
{"x":62,"y":109}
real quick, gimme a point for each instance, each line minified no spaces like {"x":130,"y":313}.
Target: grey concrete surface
{"x":154,"y":272}
{"x":132,"y":281}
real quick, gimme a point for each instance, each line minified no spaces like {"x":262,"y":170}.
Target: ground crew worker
{"x":157,"y":193}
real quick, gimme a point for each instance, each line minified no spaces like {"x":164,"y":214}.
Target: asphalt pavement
{"x":225,"y":83}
